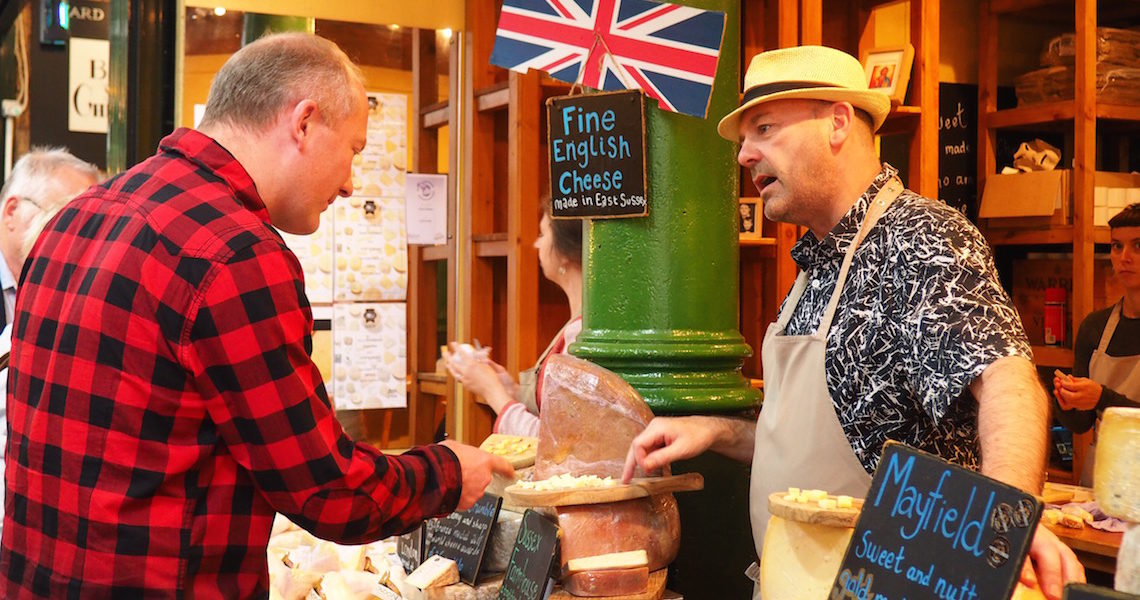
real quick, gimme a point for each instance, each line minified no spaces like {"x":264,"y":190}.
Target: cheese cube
{"x":845,"y":502}
{"x":827,"y":503}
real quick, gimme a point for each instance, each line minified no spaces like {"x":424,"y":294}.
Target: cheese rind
{"x":614,"y":560}
{"x":436,"y":571}
{"x":1116,"y":477}
{"x":615,"y":582}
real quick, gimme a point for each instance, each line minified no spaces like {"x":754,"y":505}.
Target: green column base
{"x":676,"y":373}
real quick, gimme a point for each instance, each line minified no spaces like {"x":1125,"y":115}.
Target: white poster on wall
{"x":370,"y":355}
{"x":88,"y":75}
{"x":425,"y":197}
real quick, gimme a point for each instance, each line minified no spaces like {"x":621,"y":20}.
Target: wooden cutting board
{"x":810,"y":512}
{"x":655,"y":592}
{"x":518,"y":450}
{"x":638,"y":487}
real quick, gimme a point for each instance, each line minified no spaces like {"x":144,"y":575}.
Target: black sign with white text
{"x":463,"y":536}
{"x":930,"y":529}
{"x":597,"y":155}
{"x":528,"y":574}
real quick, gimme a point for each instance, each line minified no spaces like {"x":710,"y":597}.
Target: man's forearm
{"x":736,"y":438}
{"x":1012,"y":423}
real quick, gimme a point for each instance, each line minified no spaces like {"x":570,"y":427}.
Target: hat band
{"x":781,"y":86}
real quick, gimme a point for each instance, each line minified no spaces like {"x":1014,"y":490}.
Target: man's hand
{"x":1051,"y":565}
{"x":1079,"y":393}
{"x":478,"y":467}
{"x":669,"y":439}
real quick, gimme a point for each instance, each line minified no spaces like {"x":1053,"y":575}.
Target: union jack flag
{"x":668,"y":51}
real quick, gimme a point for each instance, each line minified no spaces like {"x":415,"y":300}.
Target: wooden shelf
{"x":765,"y":241}
{"x":434,"y":253}
{"x":1057,"y":115}
{"x":436,"y":115}
{"x":1060,"y":235}
{"x":493,"y":98}
{"x":433,"y":383}
{"x":490,"y":245}
{"x":1053,"y":356}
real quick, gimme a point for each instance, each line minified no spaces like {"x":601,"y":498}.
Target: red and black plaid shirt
{"x":163,"y":403}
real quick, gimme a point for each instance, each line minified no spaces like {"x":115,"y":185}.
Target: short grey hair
{"x":276,"y":72}
{"x":35,"y":179}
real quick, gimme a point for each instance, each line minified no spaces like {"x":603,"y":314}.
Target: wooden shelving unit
{"x":1078,"y":119}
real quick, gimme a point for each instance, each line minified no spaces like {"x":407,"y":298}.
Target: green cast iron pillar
{"x":661,"y":299}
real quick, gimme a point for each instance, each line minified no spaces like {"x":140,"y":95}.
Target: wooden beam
{"x":526,"y":187}
{"x":811,"y":22}
{"x":987,"y":92}
{"x":493,"y":98}
{"x":924,"y":17}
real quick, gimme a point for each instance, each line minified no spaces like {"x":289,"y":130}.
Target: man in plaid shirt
{"x":163,"y":401}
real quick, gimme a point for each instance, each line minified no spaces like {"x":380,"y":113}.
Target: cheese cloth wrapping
{"x":589,"y":418}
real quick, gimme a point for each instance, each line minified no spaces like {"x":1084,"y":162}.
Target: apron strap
{"x":793,"y":300}
{"x":1110,"y":327}
{"x":879,"y":204}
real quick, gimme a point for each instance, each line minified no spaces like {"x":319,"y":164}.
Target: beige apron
{"x":527,"y":393}
{"x":1116,"y":372}
{"x":799,"y":441}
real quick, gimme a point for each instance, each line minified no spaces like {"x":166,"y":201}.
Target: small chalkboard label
{"x":597,"y":155}
{"x":462,"y":536}
{"x":929,"y":529}
{"x":1081,"y":591}
{"x":410,"y":548}
{"x":957,"y":155}
{"x":528,"y":575}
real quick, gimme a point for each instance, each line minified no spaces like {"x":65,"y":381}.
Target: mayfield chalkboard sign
{"x":597,"y":155}
{"x":462,"y":536}
{"x":929,"y":529}
{"x":528,"y":572}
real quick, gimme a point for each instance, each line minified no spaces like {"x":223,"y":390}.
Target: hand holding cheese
{"x":478,"y":467}
{"x":1079,"y":393}
{"x":481,"y":375}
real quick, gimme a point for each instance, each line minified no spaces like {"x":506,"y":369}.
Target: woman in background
{"x":1106,"y":352}
{"x":559,"y":246}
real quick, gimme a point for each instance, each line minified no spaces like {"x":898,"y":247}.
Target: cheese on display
{"x":1116,"y":477}
{"x":434,"y":572}
{"x":569,"y":482}
{"x":614,"y":560}
{"x":801,"y":559}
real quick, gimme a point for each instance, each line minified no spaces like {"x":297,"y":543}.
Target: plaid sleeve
{"x":249,"y":351}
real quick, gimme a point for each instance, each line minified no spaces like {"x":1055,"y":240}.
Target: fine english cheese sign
{"x":929,"y":529}
{"x":597,"y":155}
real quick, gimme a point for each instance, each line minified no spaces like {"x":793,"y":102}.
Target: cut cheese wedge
{"x":436,"y":571}
{"x":615,"y":560}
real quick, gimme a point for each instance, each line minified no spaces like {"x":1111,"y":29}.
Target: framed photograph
{"x":888,"y":70}
{"x":750,"y":213}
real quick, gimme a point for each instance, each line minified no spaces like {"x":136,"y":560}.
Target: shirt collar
{"x":7,"y":279}
{"x":810,"y":251}
{"x":199,"y":148}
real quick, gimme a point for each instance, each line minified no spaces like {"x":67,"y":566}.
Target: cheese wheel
{"x":801,"y":560}
{"x":613,"y":582}
{"x":1116,"y":478}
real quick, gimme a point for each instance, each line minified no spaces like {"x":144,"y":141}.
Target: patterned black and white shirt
{"x":922,"y":314}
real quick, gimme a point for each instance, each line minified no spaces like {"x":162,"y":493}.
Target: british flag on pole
{"x":668,"y":51}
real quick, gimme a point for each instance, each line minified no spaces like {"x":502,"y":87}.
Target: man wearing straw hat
{"x":897,"y":327}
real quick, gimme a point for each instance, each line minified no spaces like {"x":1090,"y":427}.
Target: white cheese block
{"x":1116,"y":478}
{"x":613,"y":560}
{"x":1128,"y":562}
{"x":801,"y":559}
{"x":351,"y":585}
{"x":434,"y":572}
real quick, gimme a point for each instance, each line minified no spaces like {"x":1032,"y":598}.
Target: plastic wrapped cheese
{"x":1116,"y":477}
{"x":610,"y":582}
{"x":1128,"y":562}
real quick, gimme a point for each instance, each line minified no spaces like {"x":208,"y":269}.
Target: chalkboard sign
{"x":597,"y":155}
{"x":410,"y":548}
{"x":929,"y":529}
{"x":462,"y":536}
{"x":957,"y":147}
{"x":528,"y":572}
{"x":1081,"y":591}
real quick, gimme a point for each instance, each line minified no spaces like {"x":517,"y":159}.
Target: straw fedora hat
{"x":808,"y":72}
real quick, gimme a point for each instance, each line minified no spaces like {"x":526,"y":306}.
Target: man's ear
{"x":8,"y":210}
{"x":302,"y":119}
{"x":842,"y":123}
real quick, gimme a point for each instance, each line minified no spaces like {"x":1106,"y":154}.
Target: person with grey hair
{"x":163,"y":399}
{"x":41,"y":182}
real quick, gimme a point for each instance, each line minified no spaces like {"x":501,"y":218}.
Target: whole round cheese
{"x":1116,"y":477}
